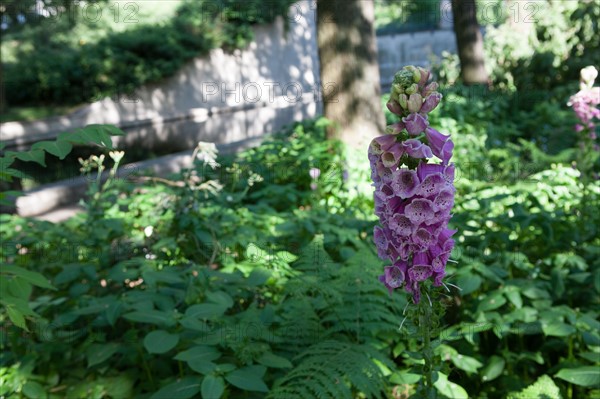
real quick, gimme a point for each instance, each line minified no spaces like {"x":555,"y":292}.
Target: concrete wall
{"x":222,"y":98}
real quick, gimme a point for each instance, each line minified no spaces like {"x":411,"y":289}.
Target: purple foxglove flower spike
{"x":414,"y":198}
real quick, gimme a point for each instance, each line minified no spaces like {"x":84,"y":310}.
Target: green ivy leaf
{"x":212,"y":387}
{"x":160,"y":341}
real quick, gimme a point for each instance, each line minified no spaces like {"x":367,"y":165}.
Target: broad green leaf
{"x":33,"y":277}
{"x":151,"y":316}
{"x":271,"y":360}
{"x":221,"y":298}
{"x":248,"y":378}
{"x":206,"y":310}
{"x":98,"y":353}
{"x":120,"y":387}
{"x":493,"y":368}
{"x":17,"y":318}
{"x":184,"y":388}
{"x":405,"y":377}
{"x":160,"y":341}
{"x":37,"y":156}
{"x":212,"y":387}
{"x":258,"y":276}
{"x":587,"y":376}
{"x":468,"y":283}
{"x":34,"y":390}
{"x":514,"y":296}
{"x":57,"y":148}
{"x":536,"y":293}
{"x":466,"y":363}
{"x":199,"y":353}
{"x":491,"y":302}
{"x":202,"y":366}
{"x":558,"y":329}
{"x":449,"y":388}
{"x":19,"y":287}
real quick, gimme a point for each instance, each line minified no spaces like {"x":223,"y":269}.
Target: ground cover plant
{"x":256,"y":276}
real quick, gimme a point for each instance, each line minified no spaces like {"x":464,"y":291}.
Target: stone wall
{"x":224,"y":97}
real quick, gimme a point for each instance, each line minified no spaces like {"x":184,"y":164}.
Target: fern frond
{"x":332,"y":370}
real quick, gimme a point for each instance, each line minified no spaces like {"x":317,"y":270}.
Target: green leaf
{"x":587,"y":376}
{"x":33,"y":277}
{"x":248,"y":378}
{"x":558,"y":329}
{"x":258,"y":276}
{"x":199,"y":353}
{"x":160,"y":341}
{"x":37,"y":156}
{"x":185,"y":388}
{"x":493,"y":369}
{"x":212,"y":387}
{"x":270,"y":360}
{"x":466,"y":363}
{"x":221,"y":298}
{"x":16,"y":317}
{"x":543,"y":388}
{"x":405,"y":377}
{"x":34,"y":390}
{"x":491,"y":302}
{"x":468,"y":283}
{"x":19,"y":287}
{"x":449,"y":388}
{"x":57,"y":148}
{"x":98,"y":353}
{"x":151,"y":316}
{"x":206,"y":310}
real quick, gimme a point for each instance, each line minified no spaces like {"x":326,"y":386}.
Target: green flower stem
{"x":425,"y":325}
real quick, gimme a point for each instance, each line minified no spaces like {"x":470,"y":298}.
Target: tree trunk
{"x":469,"y":42}
{"x":350,"y":70}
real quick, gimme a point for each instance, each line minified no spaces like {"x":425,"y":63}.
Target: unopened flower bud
{"x":430,"y":88}
{"x":412,"y":89}
{"x":431,"y":102}
{"x":415,"y":102}
{"x":394,"y":107}
{"x":403,"y":101}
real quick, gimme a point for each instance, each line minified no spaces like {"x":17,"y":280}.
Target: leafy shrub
{"x":51,"y":68}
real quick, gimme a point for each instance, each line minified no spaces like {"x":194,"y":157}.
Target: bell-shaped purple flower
{"x":381,"y":144}
{"x":416,"y":149}
{"x":420,"y":210}
{"x":391,"y":157}
{"x":395,"y":128}
{"x":415,"y":124}
{"x":405,"y":182}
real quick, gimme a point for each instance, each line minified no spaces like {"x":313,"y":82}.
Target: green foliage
{"x":543,"y":388}
{"x":54,"y":69}
{"x":245,"y":276}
